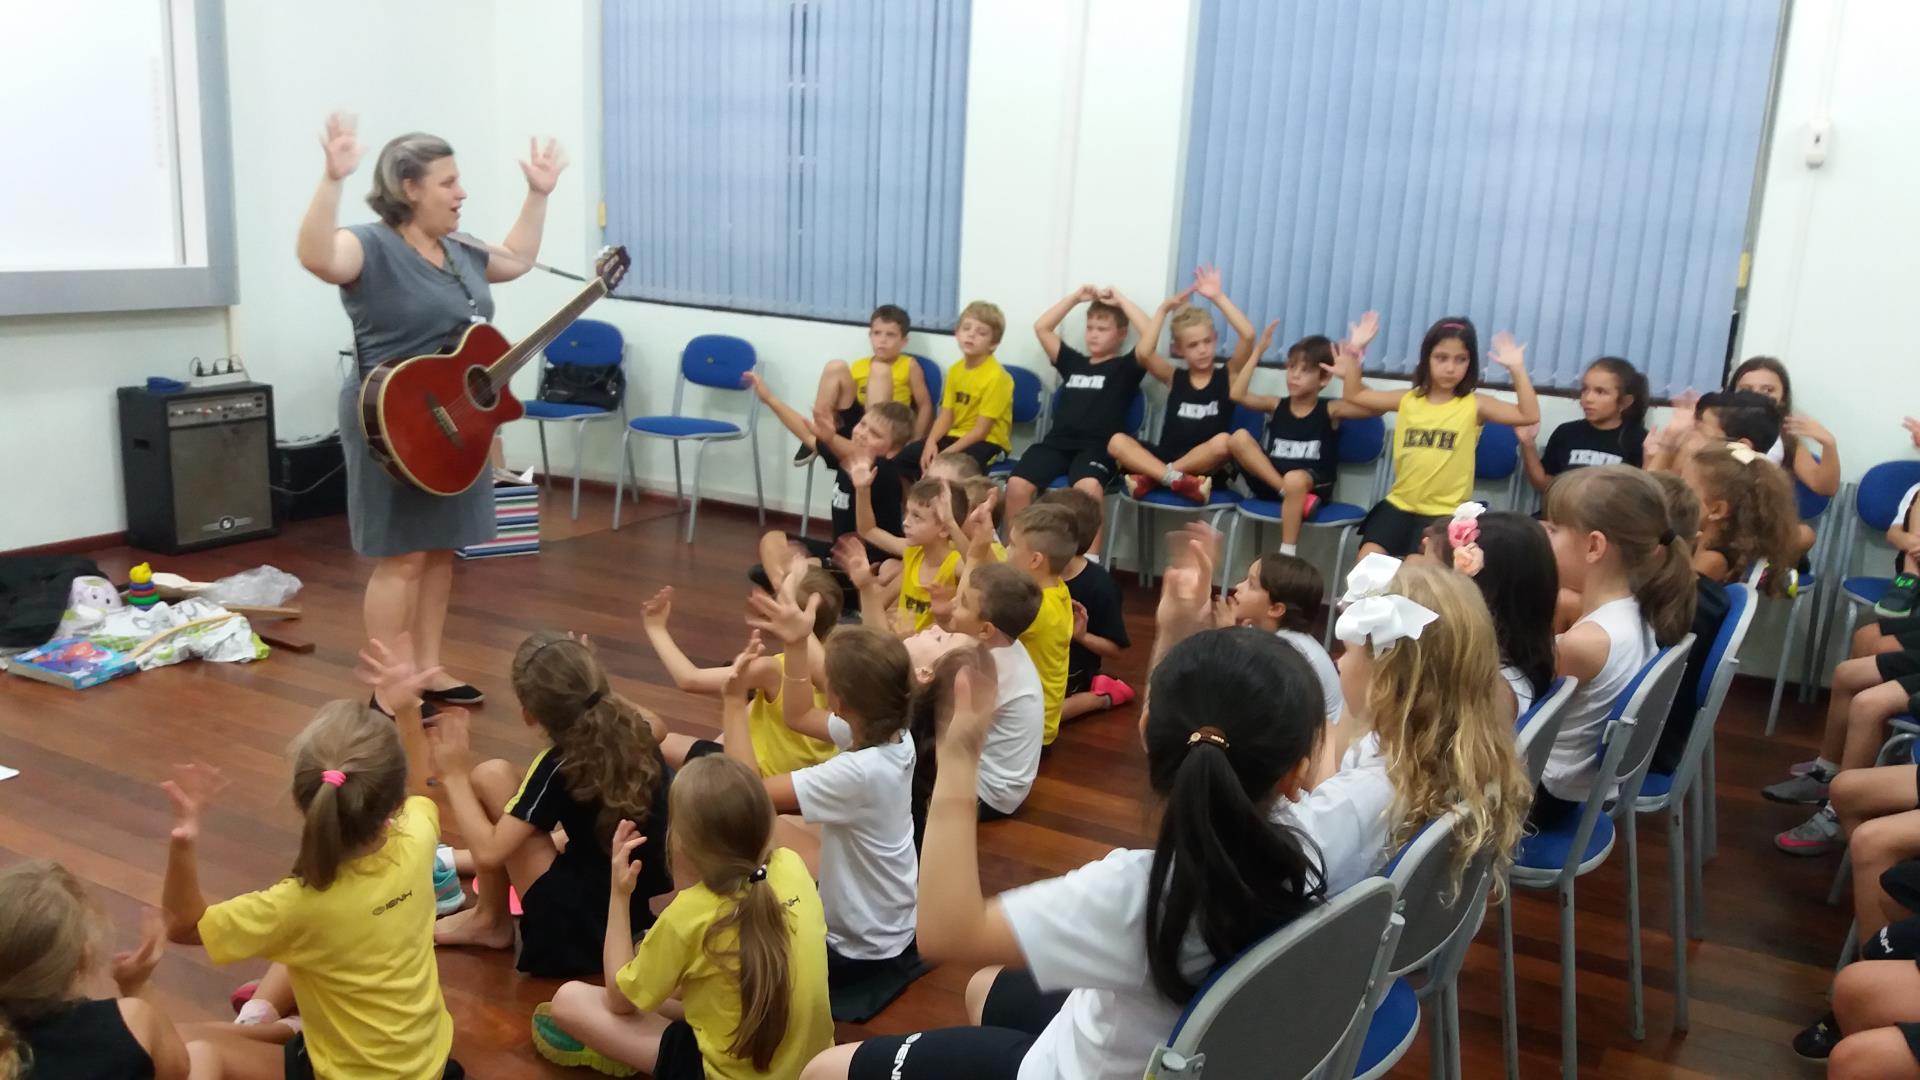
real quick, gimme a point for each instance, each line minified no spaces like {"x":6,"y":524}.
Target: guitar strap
{"x":497,"y":252}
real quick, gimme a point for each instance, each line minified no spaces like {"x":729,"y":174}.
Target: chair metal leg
{"x":679,"y":494}
{"x":1636,"y":993}
{"x":1677,"y":870}
{"x":1226,"y":557}
{"x":1436,"y":1033}
{"x":1569,"y":1011}
{"x":693,"y":512}
{"x":1453,"y":1030}
{"x":626,"y":451}
{"x":1707,"y":811}
{"x":1509,"y":1012}
{"x":546,"y":471}
{"x":1143,"y":533}
{"x":1850,"y":948}
{"x":1841,"y":878}
{"x":759,"y":493}
{"x":1696,"y":866}
{"x":579,"y":459}
{"x":1809,"y":689}
{"x":1795,"y":610}
{"x":806,"y":502}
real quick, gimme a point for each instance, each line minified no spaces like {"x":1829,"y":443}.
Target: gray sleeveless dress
{"x":401,"y":306}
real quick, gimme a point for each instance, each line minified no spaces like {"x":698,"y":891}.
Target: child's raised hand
{"x":1079,"y":620}
{"x":1507,"y":352}
{"x":859,"y":472}
{"x":1528,"y":433}
{"x":1361,"y":334}
{"x":1801,"y":426}
{"x":976,"y":692}
{"x":1206,"y":282}
{"x":655,"y":610}
{"x":133,"y":968}
{"x":736,"y":685}
{"x":751,"y":380}
{"x":980,"y":518}
{"x":390,"y":671}
{"x":1176,"y":300}
{"x":449,"y":741}
{"x":850,"y":554}
{"x":781,"y":617}
{"x":1186,"y":591}
{"x":940,"y":601}
{"x":1913,"y":430}
{"x":1088,"y":292}
{"x":1346,"y":361}
{"x":1265,"y":340}
{"x":626,"y":868}
{"x":191,"y":789}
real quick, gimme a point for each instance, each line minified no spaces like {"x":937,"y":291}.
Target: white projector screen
{"x":128,"y":205}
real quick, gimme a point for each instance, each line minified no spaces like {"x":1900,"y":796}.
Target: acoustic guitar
{"x":429,"y":420}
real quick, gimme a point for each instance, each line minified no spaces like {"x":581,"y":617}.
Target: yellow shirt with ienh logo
{"x":983,"y":390}
{"x":677,"y":956}
{"x":916,"y":598}
{"x":360,"y":953}
{"x":862,"y":370}
{"x":1433,"y":454}
{"x":1047,"y":642}
{"x":778,"y":748}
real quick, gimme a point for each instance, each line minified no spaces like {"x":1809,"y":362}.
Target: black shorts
{"x":1045,"y":462}
{"x":1399,"y":532}
{"x":701,"y":748}
{"x":1550,"y":811}
{"x":1898,"y":665}
{"x":1080,"y":679}
{"x":1321,"y":492}
{"x":300,"y":1067}
{"x":1901,"y":883}
{"x":1905,"y":630}
{"x":908,"y":463}
{"x":859,"y":989}
{"x":1013,"y":1016}
{"x":563,"y":921}
{"x":679,"y":1057}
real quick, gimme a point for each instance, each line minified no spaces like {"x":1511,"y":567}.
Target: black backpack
{"x":602,"y":387}
{"x":33,"y":596}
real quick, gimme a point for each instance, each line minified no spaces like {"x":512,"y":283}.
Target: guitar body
{"x":430,"y":420}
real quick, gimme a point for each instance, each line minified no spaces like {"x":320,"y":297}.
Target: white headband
{"x":1371,"y":614}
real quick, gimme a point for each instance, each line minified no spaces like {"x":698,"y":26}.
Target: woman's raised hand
{"x":342,"y":145}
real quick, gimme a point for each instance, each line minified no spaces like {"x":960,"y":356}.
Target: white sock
{"x":1822,"y":765}
{"x":1289,"y":549}
{"x":1167,"y":478}
{"x":257,"y":1010}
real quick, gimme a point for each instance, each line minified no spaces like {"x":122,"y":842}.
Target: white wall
{"x":1075,"y":125}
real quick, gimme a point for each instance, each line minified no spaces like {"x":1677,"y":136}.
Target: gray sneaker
{"x":1817,"y":835}
{"x":1807,"y":790}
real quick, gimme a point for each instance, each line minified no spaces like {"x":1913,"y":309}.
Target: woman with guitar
{"x":409,"y":291}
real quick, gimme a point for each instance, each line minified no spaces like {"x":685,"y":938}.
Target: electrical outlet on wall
{"x":1819,"y":137}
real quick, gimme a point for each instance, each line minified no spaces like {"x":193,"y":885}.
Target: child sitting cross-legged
{"x":1099,"y":627}
{"x":924,"y":546}
{"x":848,"y":391}
{"x":1040,"y":544}
{"x":976,"y":404}
{"x":731,"y":982}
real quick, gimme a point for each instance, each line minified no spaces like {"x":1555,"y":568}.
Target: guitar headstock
{"x":611,"y":266}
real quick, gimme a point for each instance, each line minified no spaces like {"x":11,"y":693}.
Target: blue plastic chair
{"x":1441,"y":918}
{"x":930,"y":371}
{"x":1807,"y":597}
{"x":1164,"y":501}
{"x":1361,"y":442}
{"x":1554,"y":858}
{"x":1876,"y":499}
{"x":718,"y":362}
{"x":1328,"y":967}
{"x":1029,"y":409}
{"x":587,"y":343}
{"x":1497,"y":457}
{"x":1692,"y":780}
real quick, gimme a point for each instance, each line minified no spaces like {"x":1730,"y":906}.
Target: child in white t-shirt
{"x":1282,"y":594}
{"x":858,"y":799}
{"x":1229,"y":729}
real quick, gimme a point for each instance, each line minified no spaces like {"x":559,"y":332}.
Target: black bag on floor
{"x":33,"y":595}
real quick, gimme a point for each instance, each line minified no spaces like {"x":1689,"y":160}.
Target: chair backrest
{"x":1637,"y":717}
{"x":1249,"y":421}
{"x":1810,"y":503}
{"x":1877,"y":496}
{"x":1326,"y":967}
{"x":1362,"y":441}
{"x":1439,"y":914}
{"x":1498,"y":453}
{"x":587,"y":343}
{"x":1540,"y":725}
{"x":717,"y":361}
{"x":1716,"y":678}
{"x":932,"y":373}
{"x":1029,"y":393}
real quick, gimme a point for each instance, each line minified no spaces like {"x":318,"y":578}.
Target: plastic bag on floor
{"x":262,"y":586}
{"x":228,"y":640}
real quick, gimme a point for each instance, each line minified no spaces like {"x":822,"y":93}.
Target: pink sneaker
{"x":1113,"y":689}
{"x":1196,"y":488}
{"x":1139,"y":484}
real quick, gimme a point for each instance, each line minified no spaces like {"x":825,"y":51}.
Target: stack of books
{"x":516,"y":513}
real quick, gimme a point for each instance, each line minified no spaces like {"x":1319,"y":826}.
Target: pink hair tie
{"x":334,"y":777}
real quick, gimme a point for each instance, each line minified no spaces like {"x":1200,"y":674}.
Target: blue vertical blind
{"x":1576,"y":171}
{"x":794,"y":157}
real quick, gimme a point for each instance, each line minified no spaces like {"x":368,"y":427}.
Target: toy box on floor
{"x":516,"y":513}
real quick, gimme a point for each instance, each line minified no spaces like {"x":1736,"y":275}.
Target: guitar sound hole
{"x":480,"y":388}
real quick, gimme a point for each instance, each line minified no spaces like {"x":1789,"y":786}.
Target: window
{"x":794,"y":158}
{"x":1578,"y":172}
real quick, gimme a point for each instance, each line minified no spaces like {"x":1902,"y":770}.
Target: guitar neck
{"x":502,"y":370}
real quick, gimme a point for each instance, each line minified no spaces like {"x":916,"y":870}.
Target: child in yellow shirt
{"x":976,"y":404}
{"x":928,"y":559}
{"x":1040,"y":542}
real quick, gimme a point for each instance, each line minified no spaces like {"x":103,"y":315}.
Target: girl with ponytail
{"x":50,"y":947}
{"x":1085,"y":973}
{"x":1616,"y":547}
{"x":731,"y":982}
{"x":603,"y":766}
{"x":350,"y":929}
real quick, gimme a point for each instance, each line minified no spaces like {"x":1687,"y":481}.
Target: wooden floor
{"x":90,"y":763}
